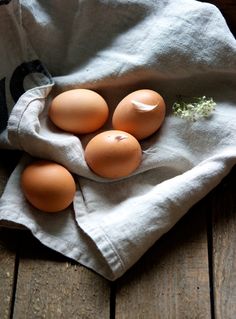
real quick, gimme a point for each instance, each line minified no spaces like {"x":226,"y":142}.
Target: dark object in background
{"x":227,"y":8}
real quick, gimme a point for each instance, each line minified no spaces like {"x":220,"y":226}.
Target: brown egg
{"x":140,"y":113}
{"x":113,"y":154}
{"x":48,"y":186}
{"x":78,"y":111}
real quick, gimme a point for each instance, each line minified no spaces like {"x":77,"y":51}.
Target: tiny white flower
{"x":202,"y":107}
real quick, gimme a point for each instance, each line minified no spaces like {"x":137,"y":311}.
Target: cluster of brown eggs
{"x":112,"y":154}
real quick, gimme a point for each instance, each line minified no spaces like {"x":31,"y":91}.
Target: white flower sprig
{"x":201,"y":107}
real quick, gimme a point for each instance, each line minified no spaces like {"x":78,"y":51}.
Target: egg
{"x":78,"y":111}
{"x":113,"y":154}
{"x":48,"y":186}
{"x":141,"y":113}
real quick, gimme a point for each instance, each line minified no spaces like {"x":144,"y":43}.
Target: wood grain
{"x":7,"y":270}
{"x":50,"y":286}
{"x":224,"y":247}
{"x":7,"y":250}
{"x":171,"y":280}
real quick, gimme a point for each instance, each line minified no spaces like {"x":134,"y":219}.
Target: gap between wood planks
{"x":16,"y":267}
{"x":210,"y":261}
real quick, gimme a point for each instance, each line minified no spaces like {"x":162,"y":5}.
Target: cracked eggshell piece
{"x":113,"y":154}
{"x":141,"y":113}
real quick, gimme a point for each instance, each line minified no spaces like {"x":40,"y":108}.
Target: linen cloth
{"x":176,"y":47}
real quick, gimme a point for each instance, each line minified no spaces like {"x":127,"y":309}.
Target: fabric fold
{"x":178,"y":48}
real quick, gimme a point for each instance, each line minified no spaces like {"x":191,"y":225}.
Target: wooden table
{"x":189,"y":273}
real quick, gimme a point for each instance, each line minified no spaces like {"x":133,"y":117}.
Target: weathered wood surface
{"x":50,"y":286}
{"x":224,"y":248}
{"x":7,"y":248}
{"x":7,"y":270}
{"x":172,"y":279}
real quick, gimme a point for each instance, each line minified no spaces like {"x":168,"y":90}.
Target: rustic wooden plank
{"x":172,"y":279}
{"x":7,"y":248}
{"x":7,"y":270}
{"x":224,"y":247}
{"x":50,"y":286}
